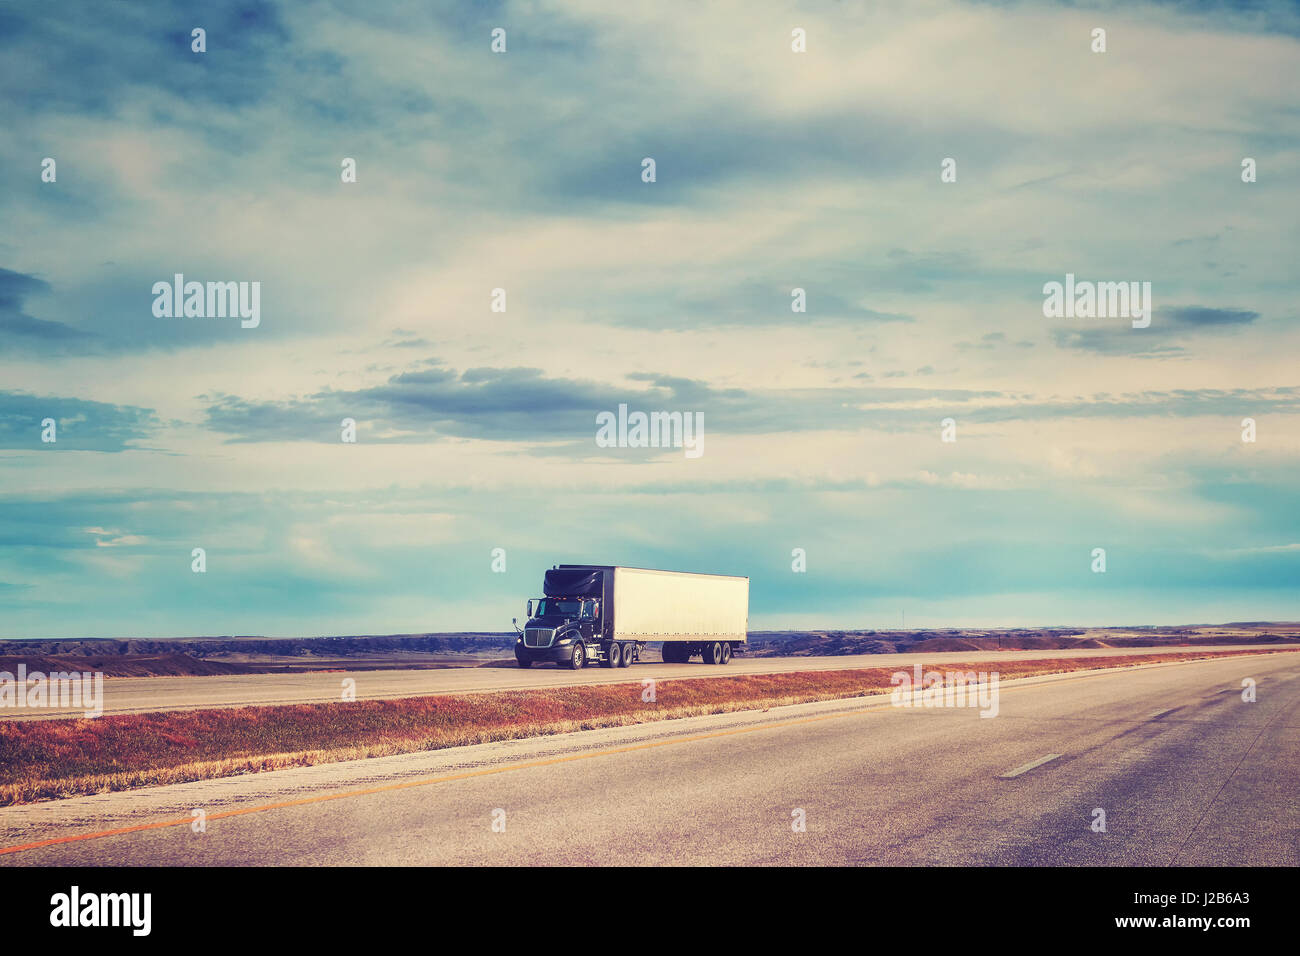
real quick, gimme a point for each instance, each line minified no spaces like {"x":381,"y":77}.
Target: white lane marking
{"x":1027,"y":767}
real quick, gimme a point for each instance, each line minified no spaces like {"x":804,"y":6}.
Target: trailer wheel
{"x":712,"y":653}
{"x":579,"y":658}
{"x":726,"y":653}
{"x":629,"y":651}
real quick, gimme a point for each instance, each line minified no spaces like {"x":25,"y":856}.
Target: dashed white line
{"x":1025,"y":768}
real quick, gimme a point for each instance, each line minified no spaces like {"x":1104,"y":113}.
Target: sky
{"x":824,"y":474}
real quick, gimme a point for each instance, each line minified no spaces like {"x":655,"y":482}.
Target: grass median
{"x":48,"y":759}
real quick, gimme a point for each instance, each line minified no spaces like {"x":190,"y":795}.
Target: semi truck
{"x":605,"y":614}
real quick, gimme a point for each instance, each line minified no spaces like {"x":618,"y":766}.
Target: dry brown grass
{"x":47,"y":759}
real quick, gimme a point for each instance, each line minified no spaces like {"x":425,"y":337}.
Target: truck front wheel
{"x":579,"y":658}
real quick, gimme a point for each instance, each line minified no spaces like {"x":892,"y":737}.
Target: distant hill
{"x":217,"y":647}
{"x":835,"y":643}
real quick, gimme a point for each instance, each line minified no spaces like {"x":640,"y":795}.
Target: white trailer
{"x":673,"y":606}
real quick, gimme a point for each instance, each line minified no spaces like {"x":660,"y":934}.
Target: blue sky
{"x":775,"y":170}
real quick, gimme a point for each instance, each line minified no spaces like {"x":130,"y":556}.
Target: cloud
{"x":82,"y":425}
{"x":20,"y":330}
{"x":120,"y":306}
{"x":503,"y":404}
{"x":1168,"y":336}
{"x":525,"y":405}
{"x":1199,"y":316}
{"x":115,"y":49}
{"x":1117,"y":340}
{"x":734,"y":142}
{"x":763,"y":304}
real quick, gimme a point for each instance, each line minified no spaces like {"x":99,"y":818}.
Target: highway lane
{"x":125,"y":695}
{"x":1185,"y":770}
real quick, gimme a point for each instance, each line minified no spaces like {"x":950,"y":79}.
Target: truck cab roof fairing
{"x":575,"y":582}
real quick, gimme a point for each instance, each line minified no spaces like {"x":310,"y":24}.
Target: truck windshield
{"x":558,"y":607}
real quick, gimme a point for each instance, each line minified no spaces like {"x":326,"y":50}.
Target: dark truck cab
{"x":573,"y":623}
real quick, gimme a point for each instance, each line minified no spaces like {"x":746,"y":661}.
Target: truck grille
{"x":539,"y":636}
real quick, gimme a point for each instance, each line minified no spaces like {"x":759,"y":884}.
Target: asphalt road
{"x":1185,"y":770}
{"x":126,"y":695}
